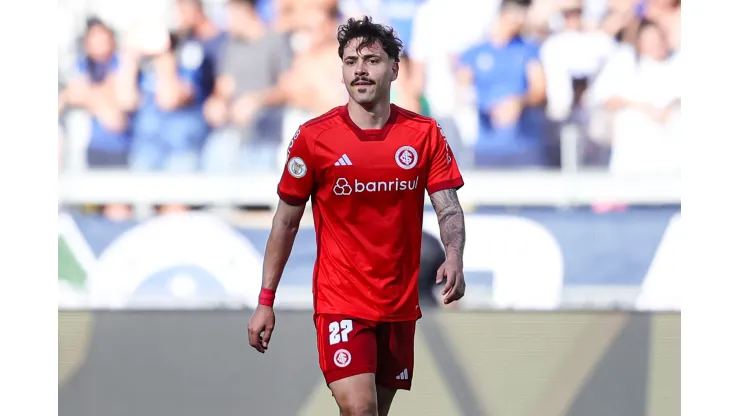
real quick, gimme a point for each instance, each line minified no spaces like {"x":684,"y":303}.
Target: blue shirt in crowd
{"x":160,"y":134}
{"x":500,"y":72}
{"x":211,"y":54}
{"x":102,"y":138}
{"x":191,"y":68}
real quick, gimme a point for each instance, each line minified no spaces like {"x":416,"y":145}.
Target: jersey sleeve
{"x":443,"y":170}
{"x":297,"y":182}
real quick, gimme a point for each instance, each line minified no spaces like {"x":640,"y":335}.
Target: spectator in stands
{"x":538,"y":21}
{"x":667,"y":15}
{"x":510,"y":87}
{"x":164,"y":82}
{"x":569,"y":55}
{"x":432,"y":53}
{"x":195,"y":28}
{"x":622,"y":19}
{"x":640,"y":92}
{"x":93,"y":89}
{"x":245,"y":107}
{"x":277,"y":14}
{"x":311,"y":85}
{"x":571,"y":59}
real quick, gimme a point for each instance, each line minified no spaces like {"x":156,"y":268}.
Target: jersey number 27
{"x":339,"y":331}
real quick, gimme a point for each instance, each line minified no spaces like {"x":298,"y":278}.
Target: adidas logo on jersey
{"x":343,"y":161}
{"x":404,"y":375}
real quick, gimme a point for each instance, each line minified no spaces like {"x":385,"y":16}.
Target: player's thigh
{"x":395,"y":355}
{"x":347,"y":350}
{"x":356,"y":395}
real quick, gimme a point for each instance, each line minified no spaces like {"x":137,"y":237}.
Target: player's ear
{"x":394,"y":68}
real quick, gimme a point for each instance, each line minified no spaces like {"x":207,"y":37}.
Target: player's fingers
{"x":449,"y":284}
{"x":266,"y":337}
{"x":455,"y":291}
{"x":254,"y":339}
{"x":459,"y":288}
{"x":440,"y":274}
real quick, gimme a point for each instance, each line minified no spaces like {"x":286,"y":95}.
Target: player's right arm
{"x":280,"y":242}
{"x":294,"y":190}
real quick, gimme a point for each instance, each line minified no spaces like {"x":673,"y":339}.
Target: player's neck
{"x":369,"y":118}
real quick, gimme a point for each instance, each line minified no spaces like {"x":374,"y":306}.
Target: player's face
{"x":367,"y":73}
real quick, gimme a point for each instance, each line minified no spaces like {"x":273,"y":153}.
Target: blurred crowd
{"x":220,"y":86}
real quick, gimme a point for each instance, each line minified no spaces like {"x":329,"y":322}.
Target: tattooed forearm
{"x":451,"y":221}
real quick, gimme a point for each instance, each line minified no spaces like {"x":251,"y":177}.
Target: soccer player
{"x":365,"y":167}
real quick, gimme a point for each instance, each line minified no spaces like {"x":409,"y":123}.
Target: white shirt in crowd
{"x":567,"y":55}
{"x":442,"y":30}
{"x":640,"y":145}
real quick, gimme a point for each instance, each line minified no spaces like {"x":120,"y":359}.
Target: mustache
{"x":362,"y":79}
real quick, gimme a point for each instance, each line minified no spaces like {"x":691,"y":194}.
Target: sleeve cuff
{"x":292,"y":199}
{"x":456,"y":183}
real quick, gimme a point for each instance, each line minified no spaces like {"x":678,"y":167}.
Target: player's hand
{"x":260,"y":327}
{"x":454,"y":288}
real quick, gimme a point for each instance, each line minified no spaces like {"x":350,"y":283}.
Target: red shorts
{"x":349,"y":346}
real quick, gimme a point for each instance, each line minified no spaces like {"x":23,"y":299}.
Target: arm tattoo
{"x":451,"y":221}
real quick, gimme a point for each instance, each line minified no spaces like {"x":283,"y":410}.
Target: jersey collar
{"x":374,"y":135}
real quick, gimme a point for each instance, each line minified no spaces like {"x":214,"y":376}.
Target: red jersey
{"x":367,"y":192}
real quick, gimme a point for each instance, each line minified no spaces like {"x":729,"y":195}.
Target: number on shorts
{"x":339,"y":331}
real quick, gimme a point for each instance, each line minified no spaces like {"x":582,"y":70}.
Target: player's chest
{"x":391,"y":168}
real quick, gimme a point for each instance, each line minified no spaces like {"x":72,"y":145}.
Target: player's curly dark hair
{"x":370,"y":33}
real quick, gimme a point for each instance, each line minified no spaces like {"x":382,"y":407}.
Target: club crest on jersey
{"x":406,"y":157}
{"x":342,"y":358}
{"x":297,"y":167}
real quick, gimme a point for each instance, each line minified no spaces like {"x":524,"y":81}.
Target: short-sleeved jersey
{"x":367,"y":193}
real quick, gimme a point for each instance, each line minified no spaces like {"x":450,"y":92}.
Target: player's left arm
{"x":452,"y":232}
{"x":444,"y":181}
{"x":451,"y":221}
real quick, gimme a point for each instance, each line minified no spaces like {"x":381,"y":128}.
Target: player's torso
{"x":368,"y":207}
{"x":369,"y":180}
